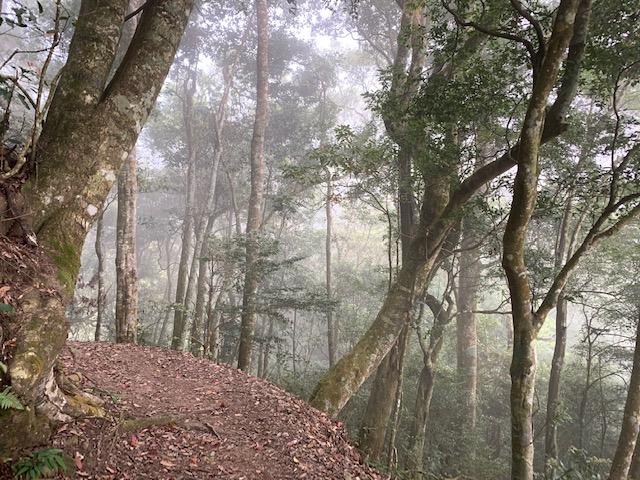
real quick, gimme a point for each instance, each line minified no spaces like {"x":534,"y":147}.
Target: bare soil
{"x":171,"y":415}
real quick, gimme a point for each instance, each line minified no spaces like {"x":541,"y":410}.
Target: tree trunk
{"x":380,"y":404}
{"x":630,"y":421}
{"x":415,"y":444}
{"x":466,"y":334}
{"x":553,"y":395}
{"x":126,"y":266}
{"x":87,"y":136}
{"x":336,"y":387}
{"x":181,"y":302}
{"x":389,"y":375}
{"x":102,"y":296}
{"x":254,"y":215}
{"x":526,"y":322}
{"x":167,"y":295}
{"x":332,"y":330}
{"x":634,"y":471}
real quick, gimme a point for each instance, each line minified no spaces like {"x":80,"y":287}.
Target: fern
{"x":8,"y":400}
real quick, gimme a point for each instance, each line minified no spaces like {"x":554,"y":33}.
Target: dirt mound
{"x":174,"y":416}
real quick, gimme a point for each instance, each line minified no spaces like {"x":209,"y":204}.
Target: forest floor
{"x":170,"y":415}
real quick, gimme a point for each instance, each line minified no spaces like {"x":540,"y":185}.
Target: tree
{"x":126,"y":314}
{"x":254,"y":215}
{"x":444,"y":195}
{"x":622,"y":459}
{"x":126,"y":318}
{"x":91,"y":127}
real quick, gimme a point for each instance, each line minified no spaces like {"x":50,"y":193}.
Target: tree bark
{"x":628,"y":438}
{"x":466,"y":334}
{"x":126,"y":318}
{"x":526,"y":322}
{"x":254,"y":215}
{"x":102,"y":296}
{"x":126,"y":311}
{"x":181,"y":301}
{"x":380,"y":405}
{"x":557,"y":363}
{"x":89,"y":132}
{"x":634,"y":470}
{"x":415,"y":445}
{"x":332,"y":331}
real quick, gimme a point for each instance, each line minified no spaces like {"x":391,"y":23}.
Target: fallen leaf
{"x":134,"y":441}
{"x":78,"y":458}
{"x":166,"y":463}
{"x":110,"y":470}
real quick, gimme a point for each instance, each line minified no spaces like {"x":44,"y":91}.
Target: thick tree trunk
{"x":254,"y":215}
{"x":126,"y":265}
{"x":89,"y":133}
{"x":628,"y":438}
{"x":634,"y":471}
{"x":380,"y":405}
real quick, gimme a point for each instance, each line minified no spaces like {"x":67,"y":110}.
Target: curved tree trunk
{"x":383,"y":393}
{"x":338,"y":385}
{"x":526,"y":322}
{"x":415,"y":444}
{"x":388,"y":378}
{"x":89,"y":133}
{"x":628,"y":438}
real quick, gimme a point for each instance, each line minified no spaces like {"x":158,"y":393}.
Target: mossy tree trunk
{"x":440,"y":214}
{"x":91,"y":127}
{"x":622,"y":459}
{"x":388,"y":380}
{"x":527,"y":321}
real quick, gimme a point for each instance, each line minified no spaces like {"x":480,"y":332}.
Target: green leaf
{"x":6,"y":308}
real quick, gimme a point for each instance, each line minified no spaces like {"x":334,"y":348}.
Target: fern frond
{"x":9,"y":400}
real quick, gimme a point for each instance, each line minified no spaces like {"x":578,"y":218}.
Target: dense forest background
{"x":377,"y":114}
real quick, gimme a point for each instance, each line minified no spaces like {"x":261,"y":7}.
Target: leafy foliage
{"x":580,"y":466}
{"x":9,"y":400}
{"x":40,"y":464}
